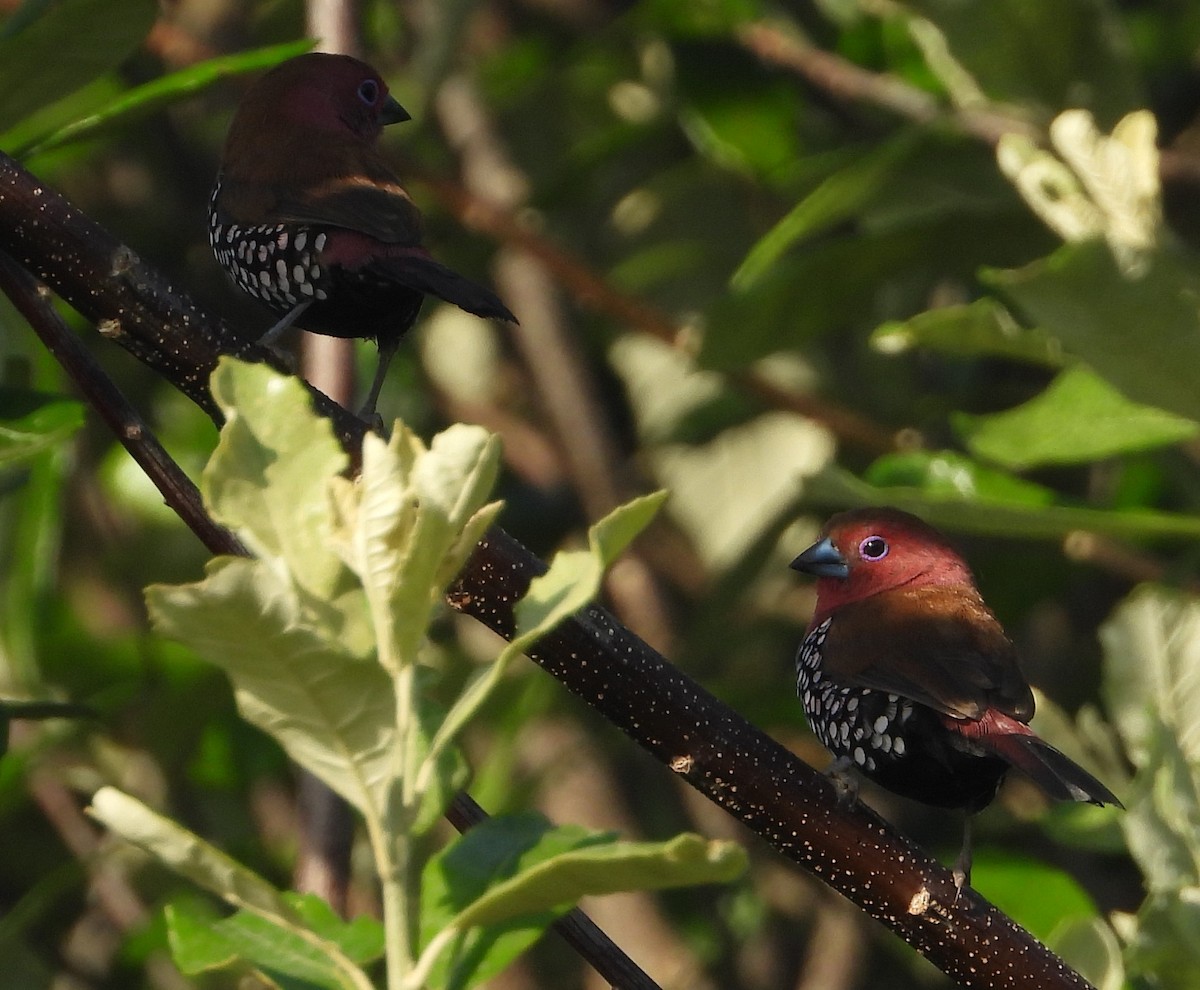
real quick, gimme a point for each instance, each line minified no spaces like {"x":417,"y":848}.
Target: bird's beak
{"x":822,"y":559}
{"x":392,"y":113}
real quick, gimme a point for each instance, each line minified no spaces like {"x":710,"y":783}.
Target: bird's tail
{"x":419,"y":271}
{"x":1058,"y":775}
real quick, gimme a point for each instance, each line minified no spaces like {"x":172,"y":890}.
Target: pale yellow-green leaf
{"x":332,"y":711}
{"x":268,"y":477}
{"x":187,"y":854}
{"x":609,"y":537}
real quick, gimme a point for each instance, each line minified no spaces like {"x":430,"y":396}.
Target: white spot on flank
{"x":881,"y":724}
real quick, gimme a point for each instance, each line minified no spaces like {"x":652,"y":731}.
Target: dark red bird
{"x":907,"y":675}
{"x":307,"y":217}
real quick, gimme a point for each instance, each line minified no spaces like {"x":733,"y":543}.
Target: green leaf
{"x":591,"y":870}
{"x":1152,"y":687}
{"x":983,"y":328}
{"x":574,"y":577}
{"x":332,"y":710}
{"x":841,"y":196}
{"x":151,"y":97}
{"x":463,"y":871}
{"x":514,"y":874}
{"x":948,"y":498}
{"x":1044,"y":57}
{"x":1007,"y":879}
{"x":1077,"y":419}
{"x":360,"y":938}
{"x":1152,"y":670}
{"x":31,"y":423}
{"x":280,"y":955}
{"x":1135,"y":332}
{"x":200,"y":944}
{"x":1091,"y":948}
{"x":72,"y":43}
{"x":571,"y":582}
{"x":268,"y":478}
{"x":269,"y":927}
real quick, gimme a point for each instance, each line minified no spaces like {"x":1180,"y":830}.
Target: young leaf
{"x":268,"y":478}
{"x":189,"y":855}
{"x":1077,"y":419}
{"x":402,"y":526}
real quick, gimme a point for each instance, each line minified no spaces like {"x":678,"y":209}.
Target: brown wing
{"x":937,"y":645}
{"x":382,"y":212}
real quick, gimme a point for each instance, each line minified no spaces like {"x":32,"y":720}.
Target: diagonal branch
{"x":741,"y":769}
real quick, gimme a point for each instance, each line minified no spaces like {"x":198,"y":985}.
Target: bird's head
{"x":864,"y":552}
{"x":315,"y":95}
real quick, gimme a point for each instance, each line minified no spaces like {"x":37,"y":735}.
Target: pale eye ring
{"x":873,"y":548}
{"x":368,"y":91}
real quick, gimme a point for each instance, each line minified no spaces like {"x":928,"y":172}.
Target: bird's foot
{"x":962,"y":864}
{"x":845,"y":783}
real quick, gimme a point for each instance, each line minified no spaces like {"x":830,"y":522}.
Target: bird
{"x":307,"y":217}
{"x":907,"y":676}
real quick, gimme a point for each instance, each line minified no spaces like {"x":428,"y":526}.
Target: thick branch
{"x":781,"y":798}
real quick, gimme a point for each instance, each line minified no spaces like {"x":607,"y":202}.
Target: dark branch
{"x":778,"y":796}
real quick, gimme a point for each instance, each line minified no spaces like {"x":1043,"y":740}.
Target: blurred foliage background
{"x":777,"y":258}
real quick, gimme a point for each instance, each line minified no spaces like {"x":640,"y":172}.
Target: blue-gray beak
{"x":822,"y":560}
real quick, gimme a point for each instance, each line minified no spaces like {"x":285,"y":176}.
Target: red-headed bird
{"x":906,"y":674}
{"x":307,"y":217}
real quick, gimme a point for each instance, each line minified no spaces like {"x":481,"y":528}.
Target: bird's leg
{"x":845,"y":784}
{"x":962,"y":865}
{"x":273,"y":334}
{"x":386,"y":351}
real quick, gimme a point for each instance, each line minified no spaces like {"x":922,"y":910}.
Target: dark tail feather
{"x":1056,"y":774}
{"x":428,"y":276}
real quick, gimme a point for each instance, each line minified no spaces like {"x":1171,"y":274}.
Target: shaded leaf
{"x":153,"y":96}
{"x":983,"y":328}
{"x":70,"y":44}
{"x":841,"y":196}
{"x":961,"y":508}
{"x":31,"y":423}
{"x":1135,"y":332}
{"x":1077,"y":419}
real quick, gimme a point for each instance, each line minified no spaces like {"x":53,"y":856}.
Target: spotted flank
{"x":276,"y":263}
{"x":861,"y":724}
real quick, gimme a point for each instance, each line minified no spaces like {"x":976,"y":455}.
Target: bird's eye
{"x":368,"y":92}
{"x":873,"y":548}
